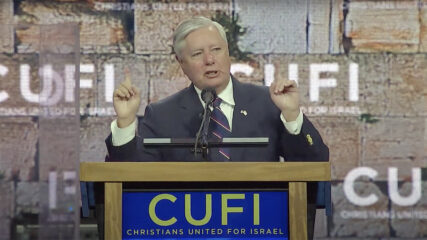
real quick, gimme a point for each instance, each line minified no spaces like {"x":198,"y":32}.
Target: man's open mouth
{"x":211,"y":74}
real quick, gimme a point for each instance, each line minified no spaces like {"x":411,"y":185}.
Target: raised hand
{"x":285,"y":95}
{"x":126,"y":101}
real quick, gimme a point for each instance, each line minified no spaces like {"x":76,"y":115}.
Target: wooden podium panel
{"x":204,"y":171}
{"x":298,"y":210}
{"x":296,"y":174}
{"x":113,"y":217}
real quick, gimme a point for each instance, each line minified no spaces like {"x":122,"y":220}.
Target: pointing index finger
{"x":128,"y":80}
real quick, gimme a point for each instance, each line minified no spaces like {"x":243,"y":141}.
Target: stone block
{"x":100,"y":31}
{"x":273,"y":26}
{"x":423,"y":21}
{"x":6,"y":38}
{"x":7,"y":205}
{"x":336,"y":29}
{"x":6,"y":11}
{"x":394,"y":142}
{"x":28,"y":38}
{"x":410,"y":221}
{"x":18,"y":148}
{"x":5,"y":228}
{"x":6,"y":26}
{"x":391,"y":85}
{"x":59,"y":38}
{"x":166,"y":77}
{"x":319,"y":14}
{"x":391,"y":26}
{"x":7,"y":199}
{"x":27,"y":198}
{"x":88,"y":89}
{"x":350,"y":220}
{"x":408,"y":76}
{"x":110,"y":70}
{"x":251,"y":71}
{"x":342,"y":136}
{"x":93,"y":132}
{"x":155,"y":21}
{"x":59,"y":145}
{"x":18,"y":98}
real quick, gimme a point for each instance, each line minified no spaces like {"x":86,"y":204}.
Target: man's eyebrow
{"x":201,"y":49}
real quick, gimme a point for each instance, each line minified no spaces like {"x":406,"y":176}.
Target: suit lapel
{"x":241,"y":116}
{"x":191,"y":109}
{"x":242,"y":110}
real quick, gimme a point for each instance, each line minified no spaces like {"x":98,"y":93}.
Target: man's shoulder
{"x":254,"y":87}
{"x":171,"y":101}
{"x":252,"y":90}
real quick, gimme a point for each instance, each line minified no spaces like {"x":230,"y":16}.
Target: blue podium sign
{"x":205,"y":215}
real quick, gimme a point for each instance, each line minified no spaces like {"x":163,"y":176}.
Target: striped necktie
{"x":220,"y":129}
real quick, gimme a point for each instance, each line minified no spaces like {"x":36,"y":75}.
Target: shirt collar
{"x":226,"y":95}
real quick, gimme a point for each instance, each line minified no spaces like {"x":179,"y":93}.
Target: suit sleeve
{"x":307,"y":146}
{"x":134,"y":151}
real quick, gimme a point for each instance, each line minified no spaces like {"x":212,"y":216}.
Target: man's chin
{"x":215,"y":83}
{"x":212,"y":85}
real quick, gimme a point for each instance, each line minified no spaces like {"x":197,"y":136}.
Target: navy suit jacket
{"x":179,"y":116}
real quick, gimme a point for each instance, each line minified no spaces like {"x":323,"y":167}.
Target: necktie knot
{"x":217,"y":102}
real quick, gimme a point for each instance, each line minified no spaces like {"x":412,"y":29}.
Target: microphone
{"x":208,"y":96}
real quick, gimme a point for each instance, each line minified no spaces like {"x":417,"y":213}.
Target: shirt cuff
{"x":121,"y":136}
{"x":293,"y":127}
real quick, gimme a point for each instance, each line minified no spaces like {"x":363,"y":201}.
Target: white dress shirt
{"x":121,"y":136}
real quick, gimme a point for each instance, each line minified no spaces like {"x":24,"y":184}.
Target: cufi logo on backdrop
{"x":316,"y":82}
{"x":65,"y":84}
{"x":393,"y":190}
{"x":56,"y":86}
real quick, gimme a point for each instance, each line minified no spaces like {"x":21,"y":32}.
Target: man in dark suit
{"x":254,"y":115}
{"x":245,"y":110}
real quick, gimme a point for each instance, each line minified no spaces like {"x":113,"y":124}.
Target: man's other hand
{"x":126,"y":100}
{"x":285,"y":95}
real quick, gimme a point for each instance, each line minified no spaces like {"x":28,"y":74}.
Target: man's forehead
{"x":198,"y":39}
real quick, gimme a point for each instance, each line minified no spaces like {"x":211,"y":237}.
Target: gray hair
{"x":188,"y":26}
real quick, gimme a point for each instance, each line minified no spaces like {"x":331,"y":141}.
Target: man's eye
{"x":196,"y":54}
{"x":217,"y":49}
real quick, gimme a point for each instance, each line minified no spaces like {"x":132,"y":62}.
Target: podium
{"x":295,"y":174}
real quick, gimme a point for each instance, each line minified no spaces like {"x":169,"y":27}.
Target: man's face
{"x":205,"y":60}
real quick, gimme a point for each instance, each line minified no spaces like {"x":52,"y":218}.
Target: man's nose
{"x":209,"y":58}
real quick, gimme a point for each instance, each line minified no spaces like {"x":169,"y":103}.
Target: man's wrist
{"x":291,"y":115}
{"x":125,"y":122}
{"x":121,"y":136}
{"x":293,"y":127}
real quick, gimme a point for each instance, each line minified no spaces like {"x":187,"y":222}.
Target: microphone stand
{"x":208,"y":96}
{"x":205,"y":131}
